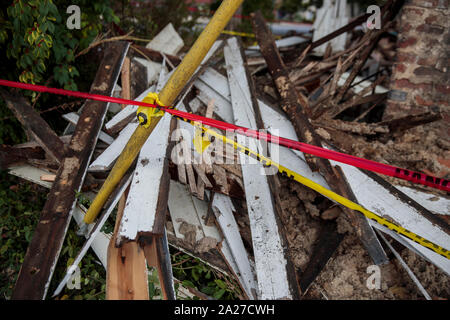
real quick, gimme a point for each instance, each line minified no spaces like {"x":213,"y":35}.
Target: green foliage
{"x":194,"y":274}
{"x":20,"y":206}
{"x":36,"y":39}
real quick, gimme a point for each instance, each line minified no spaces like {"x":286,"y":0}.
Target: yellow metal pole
{"x":167,"y":95}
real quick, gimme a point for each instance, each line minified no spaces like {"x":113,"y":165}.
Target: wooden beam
{"x":43,"y":252}
{"x":11,"y":155}
{"x":295,"y":109}
{"x":35,"y":125}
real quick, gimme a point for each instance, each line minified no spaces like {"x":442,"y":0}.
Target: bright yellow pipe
{"x":167,"y":95}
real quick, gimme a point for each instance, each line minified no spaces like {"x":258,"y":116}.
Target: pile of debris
{"x":276,"y":238}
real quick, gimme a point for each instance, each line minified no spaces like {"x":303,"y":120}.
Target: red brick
{"x":445,"y":89}
{"x":432,"y":18}
{"x":400,"y":67}
{"x":422,"y":102}
{"x":413,"y":10}
{"x":428,"y":61}
{"x":430,"y":29}
{"x":406,"y":42}
{"x":425,"y":3}
{"x":405,"y":83}
{"x":406,"y":57}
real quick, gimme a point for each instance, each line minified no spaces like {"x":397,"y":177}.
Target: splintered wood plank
{"x":158,"y":256}
{"x":126,"y":273}
{"x":32,"y":174}
{"x":188,"y":215}
{"x":376,"y":195}
{"x":270,"y":256}
{"x":43,"y":252}
{"x":35,"y":125}
{"x":147,"y":201}
{"x":143,"y":202}
{"x":223,"y":211}
{"x":13,"y":155}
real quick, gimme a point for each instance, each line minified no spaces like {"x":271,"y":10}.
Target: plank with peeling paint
{"x":40,"y":260}
{"x":223,"y":211}
{"x":270,"y":257}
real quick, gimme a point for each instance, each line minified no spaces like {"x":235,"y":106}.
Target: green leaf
{"x":219,"y":294}
{"x":188,"y":283}
{"x":220,"y":283}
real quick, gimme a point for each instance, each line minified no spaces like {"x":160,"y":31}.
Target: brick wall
{"x":421,"y":72}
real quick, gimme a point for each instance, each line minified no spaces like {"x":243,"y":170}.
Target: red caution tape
{"x":412,"y":176}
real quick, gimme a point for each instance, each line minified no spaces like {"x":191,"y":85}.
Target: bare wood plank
{"x":125,"y":78}
{"x":126,"y":273}
{"x":42,"y":254}
{"x":35,"y":125}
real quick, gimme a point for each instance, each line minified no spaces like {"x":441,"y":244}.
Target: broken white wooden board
{"x":95,"y":230}
{"x":73,"y":117}
{"x":282,"y":43}
{"x":361,"y":86}
{"x":167,"y":41}
{"x":188,"y":214}
{"x":375,"y":197}
{"x":128,"y":110}
{"x":117,"y":93}
{"x":32,"y":174}
{"x":215,"y":84}
{"x":153,"y":68}
{"x":140,"y":209}
{"x":330,"y":17}
{"x":406,"y":267}
{"x":434,"y":203}
{"x":270,"y":260}
{"x":223,"y":211}
{"x":105,"y":161}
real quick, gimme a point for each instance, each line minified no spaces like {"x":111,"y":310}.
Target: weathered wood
{"x":42,"y":254}
{"x":35,"y":125}
{"x":273,"y":268}
{"x":95,"y":230}
{"x":155,"y":55}
{"x":327,"y":243}
{"x":125,"y":78}
{"x":10,"y":156}
{"x":156,"y":252}
{"x":410,"y":121}
{"x":291,"y":105}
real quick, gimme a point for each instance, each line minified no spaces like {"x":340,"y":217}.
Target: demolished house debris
{"x":276,"y":238}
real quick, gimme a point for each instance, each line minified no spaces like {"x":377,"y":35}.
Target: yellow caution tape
{"x":243,"y":34}
{"x":145,"y":114}
{"x":201,"y":142}
{"x":267,"y":162}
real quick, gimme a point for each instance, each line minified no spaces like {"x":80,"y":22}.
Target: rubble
{"x":275,"y":237}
